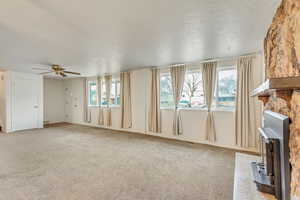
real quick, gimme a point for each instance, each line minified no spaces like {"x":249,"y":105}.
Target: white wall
{"x":54,"y":101}
{"x":2,"y":100}
{"x":193,"y":120}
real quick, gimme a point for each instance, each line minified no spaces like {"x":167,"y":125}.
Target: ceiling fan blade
{"x":35,"y":68}
{"x":76,"y":73}
{"x":46,"y":72}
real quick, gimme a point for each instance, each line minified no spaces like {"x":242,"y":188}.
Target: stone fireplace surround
{"x":281,"y":92}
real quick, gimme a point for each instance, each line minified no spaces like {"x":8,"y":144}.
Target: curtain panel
{"x":245,"y":120}
{"x":209,"y":79}
{"x":108,"y":82}
{"x":126,"y":113}
{"x":177,"y":79}
{"x":87,"y":115}
{"x":154,"y":122}
{"x":101,"y":113}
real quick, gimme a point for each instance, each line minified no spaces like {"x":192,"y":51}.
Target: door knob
{"x":35,"y":106}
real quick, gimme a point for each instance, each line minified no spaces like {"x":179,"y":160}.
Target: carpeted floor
{"x":83,"y":163}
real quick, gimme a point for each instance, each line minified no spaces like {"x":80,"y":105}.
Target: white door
{"x":25,"y":106}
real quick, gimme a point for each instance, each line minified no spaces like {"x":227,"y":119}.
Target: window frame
{"x":89,"y":93}
{"x":216,"y":93}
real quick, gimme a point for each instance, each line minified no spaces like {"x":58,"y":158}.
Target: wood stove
{"x":272,"y":175}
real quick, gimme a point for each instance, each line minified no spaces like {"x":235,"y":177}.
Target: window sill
{"x":111,"y":106}
{"x":198,"y":109}
{"x":223,"y":110}
{"x":92,"y":106}
{"x":115,"y":106}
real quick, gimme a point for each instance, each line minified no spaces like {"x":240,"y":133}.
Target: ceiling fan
{"x":56,"y":69}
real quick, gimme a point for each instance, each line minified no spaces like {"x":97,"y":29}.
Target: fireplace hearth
{"x":272,"y":174}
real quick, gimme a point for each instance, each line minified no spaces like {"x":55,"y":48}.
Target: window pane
{"x":118,"y":93}
{"x":115,"y":92}
{"x":93,"y":93}
{"x":103,"y":93}
{"x":166,"y":96}
{"x":192,"y":95}
{"x":226,"y":88}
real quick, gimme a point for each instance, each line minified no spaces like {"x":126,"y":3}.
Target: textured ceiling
{"x":97,"y":36}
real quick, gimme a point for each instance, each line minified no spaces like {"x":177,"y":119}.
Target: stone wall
{"x":282,"y":44}
{"x":280,"y":105}
{"x":282,"y":58}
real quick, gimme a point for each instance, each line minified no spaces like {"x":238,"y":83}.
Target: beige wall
{"x":2,"y":100}
{"x":54,"y":101}
{"x":193,"y":120}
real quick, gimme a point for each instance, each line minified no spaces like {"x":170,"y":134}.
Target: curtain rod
{"x":212,"y":60}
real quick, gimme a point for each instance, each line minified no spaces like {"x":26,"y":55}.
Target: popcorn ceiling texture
{"x":282,"y":56}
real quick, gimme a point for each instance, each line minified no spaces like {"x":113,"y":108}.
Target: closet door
{"x":25,"y":95}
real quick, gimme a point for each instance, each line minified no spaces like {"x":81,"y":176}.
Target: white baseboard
{"x":236,"y":148}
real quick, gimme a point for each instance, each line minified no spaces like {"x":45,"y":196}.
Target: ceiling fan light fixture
{"x":57,"y":70}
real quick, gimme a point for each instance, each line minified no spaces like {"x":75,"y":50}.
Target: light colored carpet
{"x":83,"y":163}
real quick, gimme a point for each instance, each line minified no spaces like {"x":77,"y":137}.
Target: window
{"x":192,"y":94}
{"x":166,"y":95}
{"x":92,"y":92}
{"x":103,"y":93}
{"x":226,"y":88}
{"x":114,"y":93}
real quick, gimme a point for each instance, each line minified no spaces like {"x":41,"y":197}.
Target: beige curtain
{"x":101,"y":114}
{"x":108,"y":82}
{"x":177,"y":77}
{"x":126,"y":120}
{"x":245,"y":120}
{"x":154,"y":108}
{"x":86,"y":110}
{"x":209,"y":80}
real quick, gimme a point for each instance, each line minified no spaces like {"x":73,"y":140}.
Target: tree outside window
{"x":192,"y":95}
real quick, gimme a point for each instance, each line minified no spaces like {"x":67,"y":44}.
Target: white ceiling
{"x":106,"y":36}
